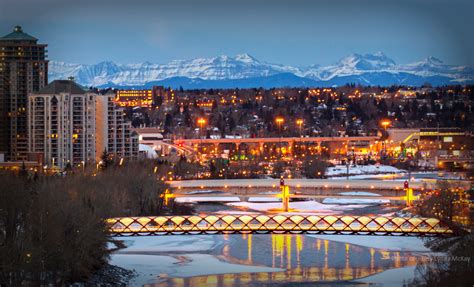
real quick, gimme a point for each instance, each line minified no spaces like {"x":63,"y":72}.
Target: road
{"x":275,"y":140}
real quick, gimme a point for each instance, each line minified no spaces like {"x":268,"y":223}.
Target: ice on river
{"x":296,"y":206}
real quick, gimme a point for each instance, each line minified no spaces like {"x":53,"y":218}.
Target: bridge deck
{"x":224,"y":195}
{"x":260,"y":223}
{"x":223,"y":184}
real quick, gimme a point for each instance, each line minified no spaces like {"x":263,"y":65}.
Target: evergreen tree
{"x":105,"y":160}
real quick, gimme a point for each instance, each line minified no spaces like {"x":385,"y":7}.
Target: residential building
{"x":114,"y":132}
{"x":72,"y":126}
{"x":23,"y":70}
{"x":61,"y":119}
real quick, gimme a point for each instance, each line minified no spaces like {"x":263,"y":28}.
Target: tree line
{"x":52,"y":228}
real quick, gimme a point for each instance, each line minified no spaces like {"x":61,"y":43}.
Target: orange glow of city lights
{"x":385,"y":123}
{"x":279,"y":120}
{"x":201,"y":121}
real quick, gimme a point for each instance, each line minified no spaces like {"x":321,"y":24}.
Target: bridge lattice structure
{"x":263,"y":223}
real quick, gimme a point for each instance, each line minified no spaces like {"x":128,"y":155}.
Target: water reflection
{"x":304,"y":259}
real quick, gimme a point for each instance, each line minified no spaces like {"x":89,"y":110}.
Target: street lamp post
{"x":299,"y":122}
{"x":279,"y":121}
{"x":201,"y":122}
{"x":385,"y":124}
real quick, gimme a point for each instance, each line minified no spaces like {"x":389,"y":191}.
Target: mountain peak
{"x":379,"y":54}
{"x":375,"y":61}
{"x":245,"y":58}
{"x":432,"y":60}
{"x":107,"y":64}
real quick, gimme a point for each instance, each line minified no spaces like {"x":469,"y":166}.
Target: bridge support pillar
{"x":285,"y":197}
{"x":409,"y":196}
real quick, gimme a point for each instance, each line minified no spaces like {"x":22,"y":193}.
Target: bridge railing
{"x":258,"y":223}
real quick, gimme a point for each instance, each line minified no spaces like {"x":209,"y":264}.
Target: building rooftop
{"x":62,"y":86}
{"x":18,"y":34}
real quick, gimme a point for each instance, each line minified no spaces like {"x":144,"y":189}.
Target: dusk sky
{"x":297,"y":32}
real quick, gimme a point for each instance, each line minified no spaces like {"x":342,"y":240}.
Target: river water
{"x":292,"y":258}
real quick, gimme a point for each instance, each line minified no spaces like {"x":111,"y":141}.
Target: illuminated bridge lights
{"x":330,"y":224}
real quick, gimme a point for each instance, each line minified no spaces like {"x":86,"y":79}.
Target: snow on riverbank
{"x":390,"y":243}
{"x":170,"y":243}
{"x":297,"y":206}
{"x":366,"y":201}
{"x":264,"y":199}
{"x":150,"y":268}
{"x":207,"y":199}
{"x":361,"y":193}
{"x":341,"y":170}
{"x":174,"y":256}
{"x":390,"y":278}
{"x":206,"y":191}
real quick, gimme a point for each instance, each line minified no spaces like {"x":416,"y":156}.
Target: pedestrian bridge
{"x":260,"y":223}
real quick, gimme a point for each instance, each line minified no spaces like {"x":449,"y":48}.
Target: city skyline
{"x":300,"y":34}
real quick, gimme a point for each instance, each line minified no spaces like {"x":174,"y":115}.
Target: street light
{"x":299,"y":122}
{"x":385,"y":124}
{"x":279,"y":121}
{"x":201,"y":122}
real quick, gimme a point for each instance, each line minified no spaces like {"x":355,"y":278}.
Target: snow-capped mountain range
{"x":245,"y":71}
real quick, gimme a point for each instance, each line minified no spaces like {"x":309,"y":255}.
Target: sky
{"x":291,"y":32}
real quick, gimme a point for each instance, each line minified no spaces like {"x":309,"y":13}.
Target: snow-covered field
{"x":341,"y":170}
